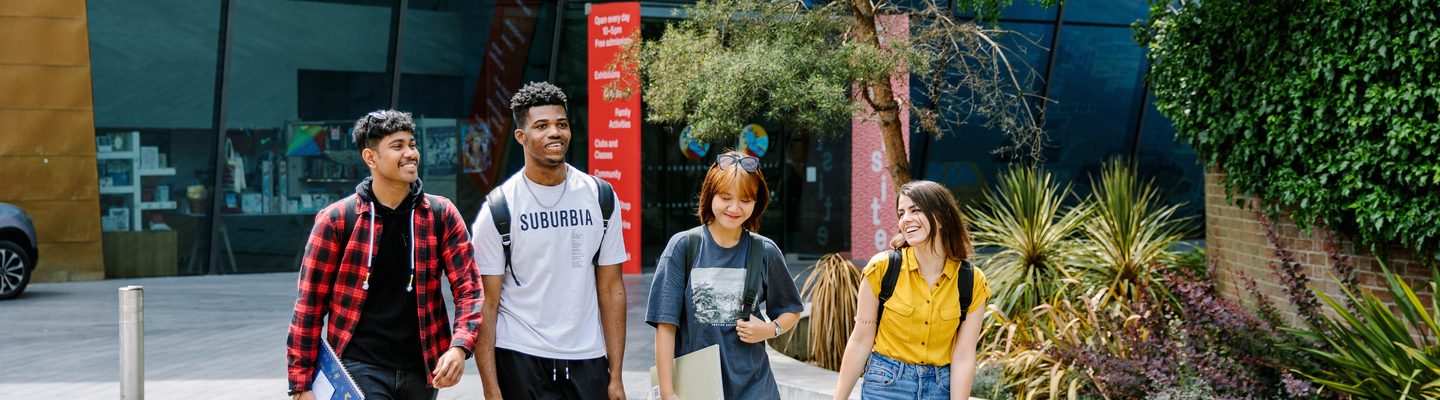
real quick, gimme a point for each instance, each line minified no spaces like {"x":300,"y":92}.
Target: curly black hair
{"x":374,"y":126}
{"x":535,"y":94}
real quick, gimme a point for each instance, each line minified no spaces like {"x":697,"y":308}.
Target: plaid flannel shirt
{"x":330,"y":285}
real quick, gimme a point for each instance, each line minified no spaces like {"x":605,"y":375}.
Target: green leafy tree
{"x":732,"y":60}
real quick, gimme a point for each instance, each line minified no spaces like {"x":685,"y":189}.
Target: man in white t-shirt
{"x":560,"y":329}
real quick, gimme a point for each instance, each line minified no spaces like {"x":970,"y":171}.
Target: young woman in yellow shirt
{"x":919,"y":349}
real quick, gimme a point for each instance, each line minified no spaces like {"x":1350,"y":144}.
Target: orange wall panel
{"x":67,"y":178}
{"x":47,"y":148}
{"x":60,"y":221}
{"x":45,"y":87}
{"x":64,"y":41}
{"x":62,"y":262}
{"x":44,"y":8}
{"x":34,"y":133}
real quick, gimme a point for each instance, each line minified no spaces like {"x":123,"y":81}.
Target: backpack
{"x":500,"y":212}
{"x":966,"y":286}
{"x":755,"y":271}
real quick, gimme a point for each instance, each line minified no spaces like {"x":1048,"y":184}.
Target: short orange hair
{"x":749,"y":183}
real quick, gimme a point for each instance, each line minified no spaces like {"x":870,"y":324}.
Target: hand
{"x":754,"y":330}
{"x":617,"y":388}
{"x":305,"y":395}
{"x":449,"y":368}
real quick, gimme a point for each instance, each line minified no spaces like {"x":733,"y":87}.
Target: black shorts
{"x":523,"y":376}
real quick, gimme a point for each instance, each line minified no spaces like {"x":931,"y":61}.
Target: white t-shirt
{"x":553,"y":312}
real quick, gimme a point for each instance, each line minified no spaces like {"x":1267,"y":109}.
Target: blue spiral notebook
{"x":332,"y":381}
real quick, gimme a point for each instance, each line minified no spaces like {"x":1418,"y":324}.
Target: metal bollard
{"x":132,"y":343}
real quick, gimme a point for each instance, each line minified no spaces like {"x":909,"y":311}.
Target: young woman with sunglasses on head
{"x":698,"y":298}
{"x":918,"y":348}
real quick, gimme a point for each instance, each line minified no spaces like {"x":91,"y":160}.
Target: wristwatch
{"x":778,"y":331}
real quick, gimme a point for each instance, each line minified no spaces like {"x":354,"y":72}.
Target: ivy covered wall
{"x":1324,"y":109}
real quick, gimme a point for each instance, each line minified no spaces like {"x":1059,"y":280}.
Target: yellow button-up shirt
{"x":921,"y":323}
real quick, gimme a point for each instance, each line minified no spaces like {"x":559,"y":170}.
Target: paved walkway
{"x":211,"y":337}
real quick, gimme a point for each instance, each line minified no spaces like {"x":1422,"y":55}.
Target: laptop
{"x":697,"y":376}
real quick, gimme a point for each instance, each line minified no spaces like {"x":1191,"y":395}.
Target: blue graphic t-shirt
{"x":704,"y":310}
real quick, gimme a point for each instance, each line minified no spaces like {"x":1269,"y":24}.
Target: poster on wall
{"x":478,"y":145}
{"x":439,"y":151}
{"x":692,"y":148}
{"x":872,"y":190}
{"x":754,"y":141}
{"x":614,"y":122}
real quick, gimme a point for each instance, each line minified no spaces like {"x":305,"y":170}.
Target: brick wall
{"x":1236,"y":237}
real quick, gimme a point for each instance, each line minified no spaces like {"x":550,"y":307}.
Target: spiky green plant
{"x":1129,"y":232}
{"x":1025,"y":218}
{"x":1025,"y":347}
{"x":1372,"y":352}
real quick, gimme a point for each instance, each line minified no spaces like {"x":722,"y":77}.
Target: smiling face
{"x":545,"y":135}
{"x":394,"y":158}
{"x":915,"y":226}
{"x":730,"y":192}
{"x":732,"y":206}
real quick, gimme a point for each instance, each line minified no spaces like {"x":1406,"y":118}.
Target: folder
{"x":696,"y":376}
{"x":332,"y":381}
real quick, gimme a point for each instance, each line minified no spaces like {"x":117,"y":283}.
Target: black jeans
{"x":380,"y":383}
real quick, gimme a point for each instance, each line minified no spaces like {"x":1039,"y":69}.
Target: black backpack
{"x":755,"y":271}
{"x":966,"y":286}
{"x":500,"y":212}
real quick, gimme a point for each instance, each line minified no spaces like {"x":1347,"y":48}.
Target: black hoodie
{"x":388,"y":334}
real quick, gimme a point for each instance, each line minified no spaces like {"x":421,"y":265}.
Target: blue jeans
{"x":380,"y":383}
{"x":890,"y":379}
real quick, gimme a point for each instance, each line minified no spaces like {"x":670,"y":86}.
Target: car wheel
{"x":14,"y":270}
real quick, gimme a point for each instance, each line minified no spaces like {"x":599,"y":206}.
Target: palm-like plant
{"x":1027,"y":348}
{"x":1373,"y":353}
{"x":1025,"y":219}
{"x":831,"y":288}
{"x":1128,"y":234}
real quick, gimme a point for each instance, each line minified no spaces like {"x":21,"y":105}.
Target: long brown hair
{"x":943,"y":213}
{"x":752,"y":183}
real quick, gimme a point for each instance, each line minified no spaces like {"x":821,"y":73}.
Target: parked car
{"x":18,"y":250}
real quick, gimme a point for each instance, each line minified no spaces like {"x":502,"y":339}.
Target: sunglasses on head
{"x":747,"y":163}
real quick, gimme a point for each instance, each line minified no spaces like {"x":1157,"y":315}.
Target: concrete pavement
{"x":223,"y":337}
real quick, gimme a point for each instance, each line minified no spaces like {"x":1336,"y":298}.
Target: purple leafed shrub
{"x":1292,"y":277}
{"x":1264,"y":307}
{"x":1202,"y":337}
{"x":1296,"y":387}
{"x":1344,"y":270}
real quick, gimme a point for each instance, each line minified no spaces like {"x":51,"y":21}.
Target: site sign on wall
{"x":872,"y":190}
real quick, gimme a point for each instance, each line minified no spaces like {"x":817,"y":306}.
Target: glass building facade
{"x":262,"y":94}
{"x":1088,"y":64}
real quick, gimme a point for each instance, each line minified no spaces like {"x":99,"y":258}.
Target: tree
{"x":732,"y":60}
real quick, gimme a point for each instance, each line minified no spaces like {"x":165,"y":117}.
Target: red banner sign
{"x":615,"y":119}
{"x":490,"y":127}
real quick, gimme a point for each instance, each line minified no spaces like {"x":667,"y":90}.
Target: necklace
{"x":552,"y":204}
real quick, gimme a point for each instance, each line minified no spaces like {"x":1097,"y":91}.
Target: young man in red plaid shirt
{"x":372,"y":272}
